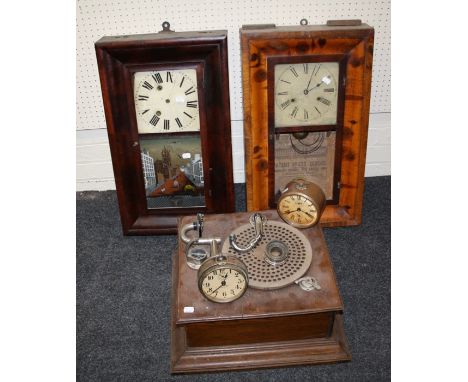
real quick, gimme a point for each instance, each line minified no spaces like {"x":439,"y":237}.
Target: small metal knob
{"x":276,"y":252}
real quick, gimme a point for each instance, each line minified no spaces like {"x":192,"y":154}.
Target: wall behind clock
{"x":97,"y":18}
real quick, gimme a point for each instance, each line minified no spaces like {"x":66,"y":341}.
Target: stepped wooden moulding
{"x":166,"y":101}
{"x":263,"y":328}
{"x":306,"y":93}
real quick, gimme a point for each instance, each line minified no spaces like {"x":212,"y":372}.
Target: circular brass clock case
{"x":223,"y":278}
{"x":301,"y":203}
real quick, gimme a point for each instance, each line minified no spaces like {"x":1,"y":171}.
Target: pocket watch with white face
{"x":166,"y":101}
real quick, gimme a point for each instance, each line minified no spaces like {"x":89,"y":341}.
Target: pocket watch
{"x":301,"y":203}
{"x":223,"y":278}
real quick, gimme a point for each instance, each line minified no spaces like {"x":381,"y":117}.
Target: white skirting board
{"x":94,"y":166}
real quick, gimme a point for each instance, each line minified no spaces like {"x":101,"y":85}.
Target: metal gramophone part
{"x":195,"y":226}
{"x":263,"y":275}
{"x":257,"y":221}
{"x":308,"y":283}
{"x":276,"y":252}
{"x":196,"y":256}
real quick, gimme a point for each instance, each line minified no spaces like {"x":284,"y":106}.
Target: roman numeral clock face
{"x":166,"y":101}
{"x":306,"y":94}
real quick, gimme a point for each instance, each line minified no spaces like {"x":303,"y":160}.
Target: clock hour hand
{"x":223,"y":283}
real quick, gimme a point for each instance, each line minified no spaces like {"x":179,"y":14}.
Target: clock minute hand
{"x":316,"y":86}
{"x":309,"y":215}
{"x":308,"y":84}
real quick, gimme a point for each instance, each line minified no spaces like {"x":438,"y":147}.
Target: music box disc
{"x":262,"y":273}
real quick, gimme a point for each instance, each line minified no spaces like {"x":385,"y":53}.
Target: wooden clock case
{"x":121,"y":56}
{"x":264,"y":328}
{"x":349,"y":43}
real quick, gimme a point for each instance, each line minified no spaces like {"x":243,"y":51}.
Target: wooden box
{"x":287,"y":326}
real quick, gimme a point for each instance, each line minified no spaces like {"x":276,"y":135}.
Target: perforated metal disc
{"x":263,"y":275}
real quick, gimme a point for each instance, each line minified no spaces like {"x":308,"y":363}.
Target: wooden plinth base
{"x":256,"y":356}
{"x":283,"y":327}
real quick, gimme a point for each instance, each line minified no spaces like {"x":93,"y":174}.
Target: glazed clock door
{"x":305,"y":123}
{"x":168,"y":158}
{"x":168,"y":119}
{"x":306,"y":94}
{"x":166,"y":101}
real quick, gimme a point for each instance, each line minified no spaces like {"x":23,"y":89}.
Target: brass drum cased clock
{"x":306,"y":110}
{"x":166,"y":100}
{"x":223,"y":278}
{"x":301,"y":203}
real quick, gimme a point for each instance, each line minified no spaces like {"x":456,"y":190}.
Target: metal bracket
{"x":166,"y":27}
{"x":258,"y":26}
{"x":257,"y":221}
{"x":308,"y":283}
{"x":195,"y":226}
{"x":344,"y":23}
{"x":197,"y":256}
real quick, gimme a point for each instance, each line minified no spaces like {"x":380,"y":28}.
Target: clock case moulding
{"x":348,"y":42}
{"x":118,"y":59}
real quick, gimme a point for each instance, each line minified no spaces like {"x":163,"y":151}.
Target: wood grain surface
{"x":354,"y":46}
{"x":118,"y":58}
{"x":263,"y":328}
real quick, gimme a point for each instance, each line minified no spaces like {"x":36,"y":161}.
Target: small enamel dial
{"x":301,"y":203}
{"x":306,"y":94}
{"x":223,"y":279}
{"x":166,"y":101}
{"x":298,"y":209}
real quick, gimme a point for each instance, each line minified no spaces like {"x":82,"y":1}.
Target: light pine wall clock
{"x":306,"y":93}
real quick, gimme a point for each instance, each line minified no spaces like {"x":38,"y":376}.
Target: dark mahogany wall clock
{"x":166,"y":100}
{"x":306,"y":110}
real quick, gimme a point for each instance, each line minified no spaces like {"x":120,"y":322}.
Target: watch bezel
{"x":229,"y":262}
{"x":290,"y":193}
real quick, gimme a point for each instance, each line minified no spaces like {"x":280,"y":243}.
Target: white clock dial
{"x":224,"y":284}
{"x":166,"y":101}
{"x":306,"y":94}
